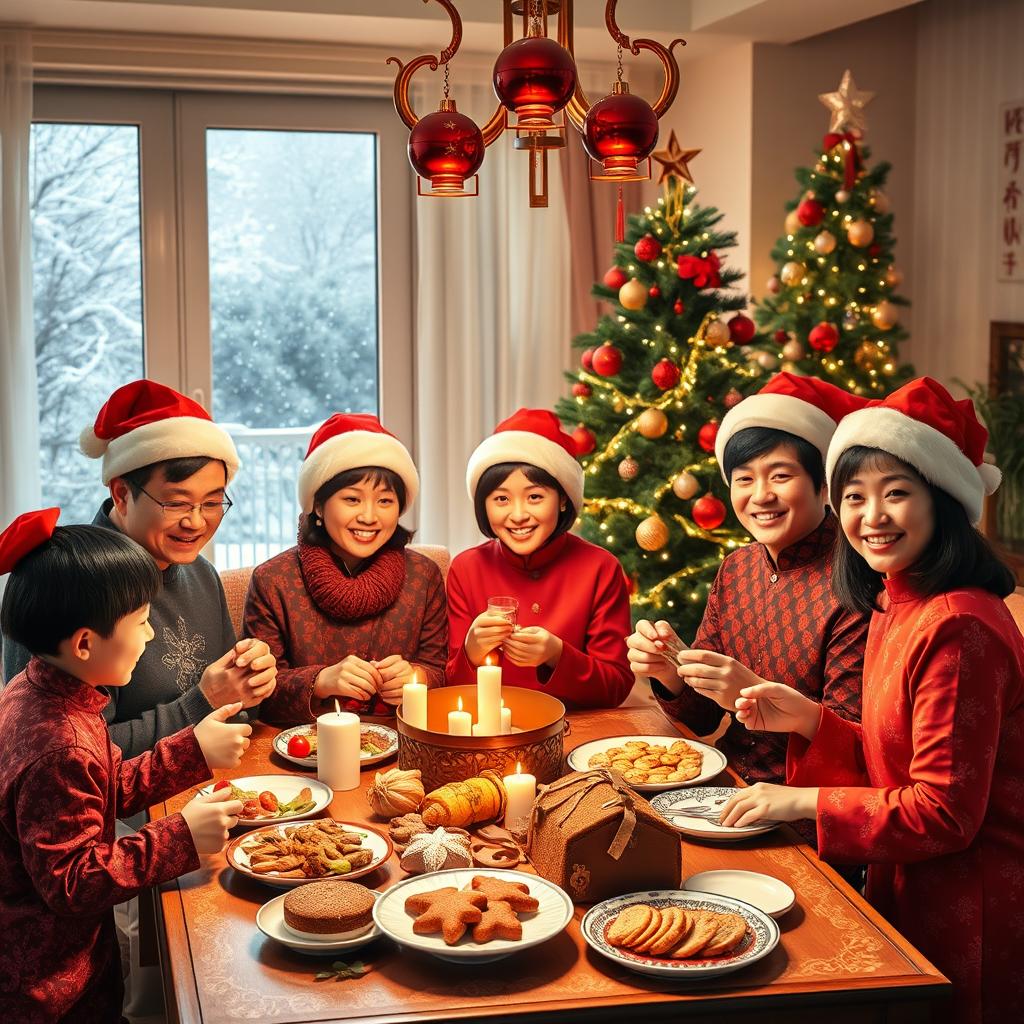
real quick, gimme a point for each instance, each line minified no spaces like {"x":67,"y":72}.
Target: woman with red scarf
{"x":349,"y":611}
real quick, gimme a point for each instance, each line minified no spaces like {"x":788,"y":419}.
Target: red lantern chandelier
{"x":535,"y":80}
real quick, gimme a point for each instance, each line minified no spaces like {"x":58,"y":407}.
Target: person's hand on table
{"x":486,"y":632}
{"x":648,"y":654}
{"x":209,"y":817}
{"x":533,"y":646}
{"x":395,"y":672}
{"x":351,"y":677}
{"x":767,"y":802}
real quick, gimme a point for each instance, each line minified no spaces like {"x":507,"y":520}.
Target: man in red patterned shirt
{"x":771,"y":614}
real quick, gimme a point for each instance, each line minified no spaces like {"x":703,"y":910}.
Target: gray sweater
{"x":192,"y":628}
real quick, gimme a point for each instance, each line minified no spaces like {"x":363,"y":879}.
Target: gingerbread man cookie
{"x":499,"y":921}
{"x":515,"y":894}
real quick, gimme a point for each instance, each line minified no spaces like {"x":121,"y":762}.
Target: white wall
{"x":969,"y":62}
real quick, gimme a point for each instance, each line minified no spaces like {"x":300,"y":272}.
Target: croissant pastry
{"x":466,"y":803}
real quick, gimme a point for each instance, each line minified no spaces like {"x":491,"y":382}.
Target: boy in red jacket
{"x":78,"y":599}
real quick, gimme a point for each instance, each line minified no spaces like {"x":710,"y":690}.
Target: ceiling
{"x":419,"y":25}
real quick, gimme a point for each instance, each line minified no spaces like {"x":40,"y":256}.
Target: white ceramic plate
{"x":713,"y":763}
{"x":382,"y":731}
{"x":285,"y":788}
{"x":761,"y":938}
{"x":376,"y":842}
{"x":553,"y":914}
{"x":270,"y":921}
{"x":765,"y":892}
{"x":669,"y":804}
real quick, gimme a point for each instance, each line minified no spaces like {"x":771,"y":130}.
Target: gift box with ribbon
{"x":595,"y":837}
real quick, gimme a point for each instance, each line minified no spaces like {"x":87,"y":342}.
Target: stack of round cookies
{"x":676,"y":933}
{"x":643,"y":762}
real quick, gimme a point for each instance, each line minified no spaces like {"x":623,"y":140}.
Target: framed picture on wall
{"x":1006,"y":359}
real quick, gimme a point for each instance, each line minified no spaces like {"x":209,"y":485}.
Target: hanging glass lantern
{"x":619,"y":132}
{"x":446,"y":148}
{"x":534,"y":78}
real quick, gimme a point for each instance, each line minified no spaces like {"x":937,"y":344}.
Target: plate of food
{"x":286,"y":856}
{"x":275,"y":797}
{"x":694,"y":812}
{"x":766,"y":892}
{"x":298,"y":744}
{"x":651,"y":764}
{"x":321,"y":918}
{"x":473,"y":914}
{"x":677,"y":934}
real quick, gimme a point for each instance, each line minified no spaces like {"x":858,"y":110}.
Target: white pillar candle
{"x":488,"y":697}
{"x":506,"y":720}
{"x":414,"y":703}
{"x":521,"y":789}
{"x":337,"y":749}
{"x":460,"y":723}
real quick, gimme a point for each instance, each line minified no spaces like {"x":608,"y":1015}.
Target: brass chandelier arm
{"x":664,"y":54}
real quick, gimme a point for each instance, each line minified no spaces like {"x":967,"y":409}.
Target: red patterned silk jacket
{"x":62,"y":785}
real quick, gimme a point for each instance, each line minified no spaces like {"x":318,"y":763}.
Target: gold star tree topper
{"x":847,"y":105}
{"x":674,"y":160}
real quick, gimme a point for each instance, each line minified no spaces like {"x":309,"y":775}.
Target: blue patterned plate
{"x":673,"y":805}
{"x":761,"y":938}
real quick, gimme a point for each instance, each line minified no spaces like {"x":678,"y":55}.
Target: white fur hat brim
{"x":780,"y":412}
{"x":177,"y":437}
{"x":526,"y":446}
{"x":934,"y":455}
{"x":356,"y":449}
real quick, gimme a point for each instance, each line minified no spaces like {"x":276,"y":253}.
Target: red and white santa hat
{"x":805,"y":406}
{"x":354,"y":441}
{"x":146,"y":422}
{"x":923,"y":425}
{"x":29,"y":531}
{"x":534,"y":436}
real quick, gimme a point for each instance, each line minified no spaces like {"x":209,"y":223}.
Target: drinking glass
{"x":506,"y":607}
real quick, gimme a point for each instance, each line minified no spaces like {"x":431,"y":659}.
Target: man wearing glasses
{"x":168,"y":465}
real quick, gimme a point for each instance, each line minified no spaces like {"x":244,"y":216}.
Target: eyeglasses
{"x":180,"y":509}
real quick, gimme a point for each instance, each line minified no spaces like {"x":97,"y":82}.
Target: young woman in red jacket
{"x":568,"y":636}
{"x":927,"y":789}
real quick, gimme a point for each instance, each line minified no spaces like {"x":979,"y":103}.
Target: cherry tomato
{"x":223,"y":784}
{"x":298,"y":746}
{"x":268,"y":801}
{"x":251,"y":809}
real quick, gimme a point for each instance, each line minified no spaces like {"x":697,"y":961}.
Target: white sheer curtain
{"x":492,"y":309}
{"x":19,"y":435}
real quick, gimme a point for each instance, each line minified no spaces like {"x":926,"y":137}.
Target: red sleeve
{"x":432,"y":647}
{"x":834,"y":758}
{"x":63,"y":815}
{"x":460,"y":671}
{"x":844,"y":665}
{"x":697,"y":712}
{"x":598,"y":676}
{"x":174,"y":764}
{"x":961,"y":676}
{"x":291,"y":701}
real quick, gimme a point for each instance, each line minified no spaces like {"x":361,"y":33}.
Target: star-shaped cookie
{"x":448,"y":911}
{"x":515,"y":894}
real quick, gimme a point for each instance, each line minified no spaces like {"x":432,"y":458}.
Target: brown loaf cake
{"x":329,"y":908}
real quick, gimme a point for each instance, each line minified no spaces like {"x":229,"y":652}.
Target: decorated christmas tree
{"x":831,"y":305}
{"x":656,"y":377}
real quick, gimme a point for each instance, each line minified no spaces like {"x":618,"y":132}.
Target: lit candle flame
{"x":502,"y":703}
{"x":415,"y":677}
{"x":491,"y":659}
{"x":460,"y":703}
{"x":519,"y":768}
{"x":337,"y":706}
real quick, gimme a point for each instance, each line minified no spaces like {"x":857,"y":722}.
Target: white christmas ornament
{"x":767,"y":361}
{"x":842,"y":196}
{"x":717,"y":332}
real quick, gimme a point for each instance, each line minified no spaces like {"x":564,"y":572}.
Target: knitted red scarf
{"x":347,"y":598}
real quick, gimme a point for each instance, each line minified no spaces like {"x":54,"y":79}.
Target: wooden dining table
{"x":837,"y":958}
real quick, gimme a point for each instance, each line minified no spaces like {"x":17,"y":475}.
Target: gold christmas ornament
{"x":652,"y":423}
{"x":842,"y":196}
{"x":792,"y":223}
{"x":652,"y":534}
{"x":685,"y":486}
{"x":880,"y":201}
{"x":860,"y":233}
{"x":867,"y":356}
{"x":618,"y":405}
{"x":885,"y":315}
{"x":633,"y":295}
{"x":767,"y":360}
{"x":893,"y":277}
{"x":824,"y":243}
{"x":717,"y":332}
{"x":628,"y":468}
{"x":792,"y":273}
{"x":793,"y":351}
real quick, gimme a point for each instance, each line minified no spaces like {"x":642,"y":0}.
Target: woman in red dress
{"x":569,"y":633}
{"x":928,"y":788}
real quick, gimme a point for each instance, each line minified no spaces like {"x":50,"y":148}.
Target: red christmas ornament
{"x":708,"y":512}
{"x":665,"y":374}
{"x":741,"y":329}
{"x":810,"y":212}
{"x":679,"y":307}
{"x":534,"y":77}
{"x":584,"y":440}
{"x":647,"y":248}
{"x":447,"y":147}
{"x":587,"y":360}
{"x":732,"y":398}
{"x":581,"y":389}
{"x":874,"y":251}
{"x":707,"y":434}
{"x":654,"y":291}
{"x":607,"y":360}
{"x":824,"y":337}
{"x":620,"y":131}
{"x":615,"y":278}
{"x":781,"y":337}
